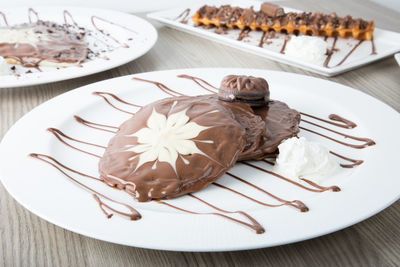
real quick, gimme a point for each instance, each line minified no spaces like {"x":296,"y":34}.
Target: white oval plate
{"x":366,"y":189}
{"x":143,"y":39}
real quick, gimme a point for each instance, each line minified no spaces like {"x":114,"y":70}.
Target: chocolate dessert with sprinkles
{"x":41,"y":43}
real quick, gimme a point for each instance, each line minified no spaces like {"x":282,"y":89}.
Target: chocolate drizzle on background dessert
{"x":129,"y":187}
{"x":272,"y":18}
{"x":54,"y":43}
{"x":184,"y":16}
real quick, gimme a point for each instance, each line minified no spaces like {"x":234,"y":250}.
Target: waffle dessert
{"x":271,"y":17}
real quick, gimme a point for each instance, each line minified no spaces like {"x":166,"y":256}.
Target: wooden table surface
{"x":27,"y":240}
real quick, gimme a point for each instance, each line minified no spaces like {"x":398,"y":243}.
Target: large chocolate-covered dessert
{"x":173,"y":147}
{"x":182,"y":144}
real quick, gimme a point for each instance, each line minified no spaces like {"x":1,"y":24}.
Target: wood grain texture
{"x":27,"y":240}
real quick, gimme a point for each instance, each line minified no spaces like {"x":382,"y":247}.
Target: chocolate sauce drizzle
{"x":356,"y":162}
{"x":96,"y":126}
{"x":92,"y":19}
{"x":367,"y":141}
{"x":349,"y":53}
{"x":132,"y":215}
{"x":198,"y":81}
{"x":30,"y":12}
{"x":295,"y":203}
{"x":373,"y":49}
{"x":254,"y":225}
{"x":243,"y":34}
{"x":103,"y":94}
{"x":263,"y":38}
{"x":319,"y":190}
{"x":58,"y":134}
{"x":284,"y":45}
{"x":4,"y":18}
{"x":183,"y":16}
{"x":330,"y":51}
{"x":161,"y":86}
{"x":66,"y":13}
{"x":346,"y":123}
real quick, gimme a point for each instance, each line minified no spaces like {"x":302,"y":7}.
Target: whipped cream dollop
{"x":4,"y":67}
{"x":22,"y":35}
{"x":299,"y":157}
{"x":307,"y":48}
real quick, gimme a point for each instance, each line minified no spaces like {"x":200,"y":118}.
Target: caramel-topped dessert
{"x":271,"y":17}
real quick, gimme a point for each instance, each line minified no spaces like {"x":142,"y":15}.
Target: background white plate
{"x":386,"y":42}
{"x":142,"y":41}
{"x":366,"y":189}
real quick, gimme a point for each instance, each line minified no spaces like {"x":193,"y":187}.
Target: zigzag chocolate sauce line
{"x":94,"y":125}
{"x":296,"y":203}
{"x":368,"y":142}
{"x":197,"y":81}
{"x":92,"y":19}
{"x":243,"y":34}
{"x":320,"y":188}
{"x":60,"y":133}
{"x":330,"y":51}
{"x":133,"y":215}
{"x":349,"y":53}
{"x":256,"y":227}
{"x":65,"y":14}
{"x":284,"y":45}
{"x":57,"y":133}
{"x":101,"y":94}
{"x":373,"y":49}
{"x":160,"y":86}
{"x":333,"y":117}
{"x":4,"y":18}
{"x":356,"y":162}
{"x":30,"y":12}
{"x":261,"y":43}
{"x":183,"y":16}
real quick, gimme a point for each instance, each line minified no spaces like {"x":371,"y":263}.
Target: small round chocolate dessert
{"x":173,"y":147}
{"x":246,"y":89}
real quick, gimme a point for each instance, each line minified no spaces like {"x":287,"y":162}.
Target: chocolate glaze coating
{"x":253,"y":124}
{"x":221,"y":145}
{"x":63,"y":45}
{"x":246,"y":89}
{"x":281,"y":122}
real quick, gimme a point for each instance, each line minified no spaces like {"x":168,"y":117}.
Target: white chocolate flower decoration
{"x":166,"y":138}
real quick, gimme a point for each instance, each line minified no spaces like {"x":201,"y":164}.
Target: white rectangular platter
{"x":386,"y":42}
